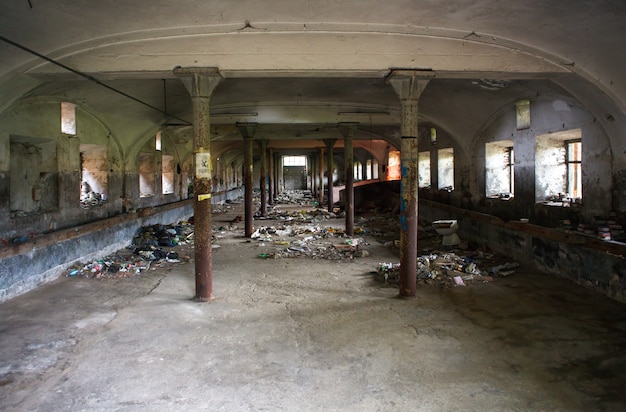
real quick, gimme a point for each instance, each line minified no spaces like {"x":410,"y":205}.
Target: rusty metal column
{"x":247,"y":131}
{"x":321,"y":188}
{"x":263,"y":179}
{"x":347,"y":130}
{"x":277,"y":165}
{"x":200,"y":83}
{"x":408,"y":87}
{"x":329,"y":145}
{"x":310,"y":161}
{"x":270,"y":176}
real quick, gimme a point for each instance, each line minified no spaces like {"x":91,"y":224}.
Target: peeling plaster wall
{"x":549,"y":114}
{"x":56,"y":170}
{"x":33,"y":180}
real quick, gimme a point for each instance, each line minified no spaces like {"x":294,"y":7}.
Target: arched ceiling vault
{"x":298,"y":66}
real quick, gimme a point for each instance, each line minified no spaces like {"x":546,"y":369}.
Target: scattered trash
{"x":145,"y":252}
{"x":459,"y":281}
{"x":297,"y":197}
{"x":501,"y":270}
{"x":448,"y":269}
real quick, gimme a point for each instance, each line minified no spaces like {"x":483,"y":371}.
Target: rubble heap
{"x":296,"y":197}
{"x":300,"y":216}
{"x":313,"y":242}
{"x":447,"y":269}
{"x":146,"y":251}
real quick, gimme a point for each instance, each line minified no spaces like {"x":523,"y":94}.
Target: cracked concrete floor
{"x":310,"y":335}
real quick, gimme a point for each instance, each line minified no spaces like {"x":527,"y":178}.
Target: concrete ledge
{"x":25,"y":266}
{"x":584,"y":259}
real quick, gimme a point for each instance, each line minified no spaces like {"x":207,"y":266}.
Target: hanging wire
{"x":90,"y":78}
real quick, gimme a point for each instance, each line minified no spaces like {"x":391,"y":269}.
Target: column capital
{"x":347,"y":129}
{"x":330,"y":142}
{"x":247,"y":129}
{"x":199,"y":81}
{"x":409,"y":84}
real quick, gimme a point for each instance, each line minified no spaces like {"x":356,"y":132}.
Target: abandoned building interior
{"x":508,"y":118}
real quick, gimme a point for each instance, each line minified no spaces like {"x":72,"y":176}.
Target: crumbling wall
{"x":49,"y":199}
{"x":33,"y":181}
{"x":606,"y":272}
{"x":549,"y":115}
{"x":44,"y":259}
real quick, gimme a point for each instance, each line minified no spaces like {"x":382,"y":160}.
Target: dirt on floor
{"x":315,"y":328}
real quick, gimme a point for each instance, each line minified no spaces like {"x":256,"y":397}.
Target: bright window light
{"x":68,"y":118}
{"x":294,"y":160}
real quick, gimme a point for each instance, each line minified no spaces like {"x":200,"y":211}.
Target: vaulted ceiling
{"x":298,"y":67}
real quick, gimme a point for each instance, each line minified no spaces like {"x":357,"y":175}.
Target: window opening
{"x":499,"y":169}
{"x":294,"y":160}
{"x":68,"y":118}
{"x":157,"y":141}
{"x":423,"y":169}
{"x":558,"y":167}
{"x":522,"y":114}
{"x":358,"y":171}
{"x":574,"y":169}
{"x":94,"y":165}
{"x":445,"y":169}
{"x":147,"y":168}
{"x":393,"y":165}
{"x":167,"y":174}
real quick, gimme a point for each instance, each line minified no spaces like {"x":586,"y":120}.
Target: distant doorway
{"x":295,"y":172}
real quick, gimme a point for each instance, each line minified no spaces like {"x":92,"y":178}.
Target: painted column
{"x":348,"y":130}
{"x":321,"y":173}
{"x":408,"y":87}
{"x":329,"y":145}
{"x":263,"y":179}
{"x":200,"y":83}
{"x":270,"y":176}
{"x":247,"y":131}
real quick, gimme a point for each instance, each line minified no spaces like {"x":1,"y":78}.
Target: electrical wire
{"x":90,"y":78}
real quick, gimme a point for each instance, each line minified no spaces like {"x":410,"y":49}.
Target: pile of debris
{"x":146,"y":251}
{"x":301,"y":216}
{"x":296,"y":197}
{"x":445,"y":270}
{"x":345,"y":251}
{"x":313,"y":242}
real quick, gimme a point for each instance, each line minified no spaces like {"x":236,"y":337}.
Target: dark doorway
{"x":295,"y":177}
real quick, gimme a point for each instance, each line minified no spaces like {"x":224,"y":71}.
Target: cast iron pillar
{"x":247,"y":131}
{"x":263,"y":179}
{"x":321,"y":173}
{"x":408,"y":85}
{"x":347,"y":130}
{"x":310,"y":159}
{"x":270,"y":176}
{"x":329,"y":145}
{"x":200,"y":83}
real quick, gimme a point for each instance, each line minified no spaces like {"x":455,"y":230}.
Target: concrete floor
{"x":310,"y":335}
